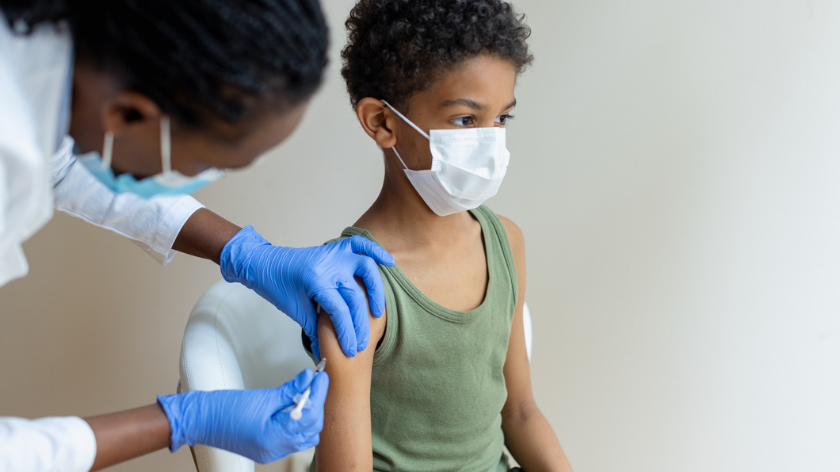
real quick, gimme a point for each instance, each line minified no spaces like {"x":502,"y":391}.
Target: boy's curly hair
{"x":396,"y":48}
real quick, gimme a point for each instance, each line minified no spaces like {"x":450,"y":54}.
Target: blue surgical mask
{"x":169,"y":182}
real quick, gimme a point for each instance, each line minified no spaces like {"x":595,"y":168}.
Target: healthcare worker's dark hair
{"x":195,"y":58}
{"x":397,"y":48}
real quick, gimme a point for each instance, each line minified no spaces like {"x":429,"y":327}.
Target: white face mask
{"x":468,"y":166}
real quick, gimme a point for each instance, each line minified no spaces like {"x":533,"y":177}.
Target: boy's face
{"x":477,"y":94}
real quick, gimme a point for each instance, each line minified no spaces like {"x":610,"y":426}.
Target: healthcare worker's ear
{"x":128,"y":109}
{"x":378,"y":121}
{"x":135,"y":121}
{"x":102,"y":104}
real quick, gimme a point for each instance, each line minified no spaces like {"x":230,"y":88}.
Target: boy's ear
{"x":377,"y":121}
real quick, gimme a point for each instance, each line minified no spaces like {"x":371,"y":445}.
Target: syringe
{"x":297,"y":412}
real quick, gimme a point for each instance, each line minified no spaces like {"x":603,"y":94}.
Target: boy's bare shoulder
{"x":514,"y":233}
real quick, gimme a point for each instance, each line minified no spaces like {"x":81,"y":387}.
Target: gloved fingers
{"x":369,"y":272}
{"x":304,"y":441}
{"x":293,"y":387}
{"x":356,"y":301}
{"x":320,"y":387}
{"x":307,"y":318}
{"x":334,"y":304}
{"x":303,"y":380}
{"x":316,"y":348}
{"x":366,"y":247}
{"x":311,"y":442}
{"x":312,"y":421}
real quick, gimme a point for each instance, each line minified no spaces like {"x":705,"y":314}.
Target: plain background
{"x":676,"y":171}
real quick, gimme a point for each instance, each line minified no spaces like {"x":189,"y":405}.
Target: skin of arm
{"x":528,"y":435}
{"x":204,"y":235}
{"x":346,"y":444}
{"x":129,"y":434}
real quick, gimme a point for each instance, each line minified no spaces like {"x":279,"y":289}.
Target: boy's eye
{"x":463,"y":120}
{"x":503,"y":118}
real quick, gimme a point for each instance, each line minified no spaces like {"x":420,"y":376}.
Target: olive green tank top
{"x":438,"y":387}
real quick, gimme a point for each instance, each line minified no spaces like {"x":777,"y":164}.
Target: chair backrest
{"x":235,"y":339}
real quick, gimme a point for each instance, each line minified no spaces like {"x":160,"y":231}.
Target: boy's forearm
{"x":532,"y":441}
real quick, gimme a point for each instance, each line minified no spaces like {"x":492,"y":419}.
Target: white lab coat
{"x":48,"y":444}
{"x":38,"y":173}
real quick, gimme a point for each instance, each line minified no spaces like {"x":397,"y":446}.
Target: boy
{"x":448,"y":385}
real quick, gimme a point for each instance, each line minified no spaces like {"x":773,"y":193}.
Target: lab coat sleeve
{"x":46,"y":445}
{"x":153,"y":224}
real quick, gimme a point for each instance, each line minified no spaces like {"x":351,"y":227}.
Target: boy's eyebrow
{"x":463,"y":101}
{"x":471,"y":103}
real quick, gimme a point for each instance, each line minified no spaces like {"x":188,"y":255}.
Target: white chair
{"x":234,"y":339}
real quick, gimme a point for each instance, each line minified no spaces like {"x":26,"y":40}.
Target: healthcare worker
{"x":157,"y":97}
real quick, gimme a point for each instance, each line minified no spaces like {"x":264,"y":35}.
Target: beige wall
{"x":676,"y":170}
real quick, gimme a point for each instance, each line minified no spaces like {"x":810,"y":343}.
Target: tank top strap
{"x":490,"y":222}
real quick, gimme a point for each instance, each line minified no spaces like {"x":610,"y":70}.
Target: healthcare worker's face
{"x":101,"y":104}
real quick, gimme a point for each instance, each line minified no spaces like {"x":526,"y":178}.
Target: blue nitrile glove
{"x":291,"y":278}
{"x":249,"y":422}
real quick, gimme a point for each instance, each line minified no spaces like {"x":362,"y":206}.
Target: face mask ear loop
{"x":407,"y":120}
{"x":165,"y":145}
{"x":400,"y":158}
{"x":107,"y":150}
{"x":411,"y":124}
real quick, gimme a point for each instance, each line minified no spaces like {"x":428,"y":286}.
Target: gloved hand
{"x":291,"y":278}
{"x":249,"y":422}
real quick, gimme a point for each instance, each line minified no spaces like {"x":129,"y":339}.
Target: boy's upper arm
{"x":346,"y":438}
{"x":330,"y":346}
{"x":517,"y":368}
